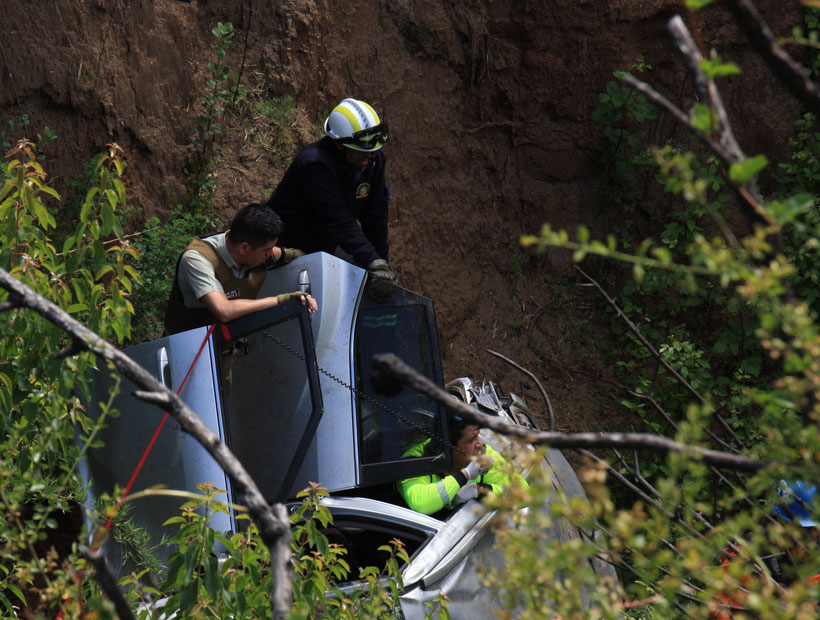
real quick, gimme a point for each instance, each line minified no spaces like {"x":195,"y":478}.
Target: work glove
{"x":283,"y":297}
{"x":474,"y":469}
{"x":382,"y":279}
{"x":466,"y":493}
{"x":288,"y":254}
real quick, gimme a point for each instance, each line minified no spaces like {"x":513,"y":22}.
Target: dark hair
{"x":455,"y":425}
{"x":255,"y":224}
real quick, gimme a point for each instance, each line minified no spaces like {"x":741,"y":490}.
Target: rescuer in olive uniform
{"x":218,"y":277}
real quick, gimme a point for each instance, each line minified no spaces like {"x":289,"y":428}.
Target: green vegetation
{"x":734,"y":314}
{"x":198,"y":584}
{"x":44,"y":427}
{"x":202,"y":162}
{"x":281,"y":111}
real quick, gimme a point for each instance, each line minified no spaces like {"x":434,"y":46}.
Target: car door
{"x":254,"y":384}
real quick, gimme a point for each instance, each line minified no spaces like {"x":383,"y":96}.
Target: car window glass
{"x":408,"y":418}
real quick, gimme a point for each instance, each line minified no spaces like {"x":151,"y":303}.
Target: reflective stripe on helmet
{"x":345,"y":109}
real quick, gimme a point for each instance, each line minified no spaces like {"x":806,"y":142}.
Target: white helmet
{"x":356,"y":125}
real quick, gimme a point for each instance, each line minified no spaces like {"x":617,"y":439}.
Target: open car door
{"x":255,"y":384}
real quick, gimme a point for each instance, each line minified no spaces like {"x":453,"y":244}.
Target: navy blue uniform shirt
{"x":322,"y":200}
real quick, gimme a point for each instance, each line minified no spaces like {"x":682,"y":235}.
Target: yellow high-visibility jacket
{"x":432,"y":492}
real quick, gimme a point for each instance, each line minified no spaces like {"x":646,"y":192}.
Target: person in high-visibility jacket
{"x":478,"y":469}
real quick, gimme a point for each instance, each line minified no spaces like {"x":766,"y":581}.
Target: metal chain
{"x":365,"y":396}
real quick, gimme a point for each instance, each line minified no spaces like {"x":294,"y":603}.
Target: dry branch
{"x":790,"y":73}
{"x":390,"y":375}
{"x":108,"y":583}
{"x":706,"y":86}
{"x":274,"y":526}
{"x":535,"y":379}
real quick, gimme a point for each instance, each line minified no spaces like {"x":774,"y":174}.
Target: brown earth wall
{"x":489,"y":108}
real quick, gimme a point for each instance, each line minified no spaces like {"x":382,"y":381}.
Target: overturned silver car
{"x":291,"y":395}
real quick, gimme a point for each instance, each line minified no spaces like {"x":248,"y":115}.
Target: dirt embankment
{"x":489,"y":109}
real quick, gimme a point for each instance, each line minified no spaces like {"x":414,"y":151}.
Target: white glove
{"x":474,"y":469}
{"x":466,"y":493}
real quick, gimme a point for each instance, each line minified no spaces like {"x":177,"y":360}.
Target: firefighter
{"x":478,"y":469}
{"x":333,"y":197}
{"x":218,"y":277}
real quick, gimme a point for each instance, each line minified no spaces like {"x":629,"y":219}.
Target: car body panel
{"x":337,"y":286}
{"x":176,"y":460}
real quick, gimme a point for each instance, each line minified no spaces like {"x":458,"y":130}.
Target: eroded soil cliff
{"x":489,"y":108}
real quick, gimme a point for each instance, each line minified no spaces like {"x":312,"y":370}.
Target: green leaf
{"x":103,"y":271}
{"x":188,"y":596}
{"x":51,"y":191}
{"x":42,"y":213}
{"x":7,"y":187}
{"x":212,"y":582}
{"x":742,"y":172}
{"x":16,"y":591}
{"x":716,"y":68}
{"x":5,"y":206}
{"x":702,"y":117}
{"x":107,"y":212}
{"x":68,"y":244}
{"x":85,"y":210}
{"x":120,"y":188}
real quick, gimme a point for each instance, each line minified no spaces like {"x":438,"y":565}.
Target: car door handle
{"x":163,"y":367}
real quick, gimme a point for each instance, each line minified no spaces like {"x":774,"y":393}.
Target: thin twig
{"x":787,"y":70}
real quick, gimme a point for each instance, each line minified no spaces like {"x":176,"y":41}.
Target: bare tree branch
{"x":693,"y":58}
{"x":656,"y":97}
{"x":273,"y":527}
{"x":107,"y":583}
{"x":390,"y":375}
{"x":790,"y":73}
